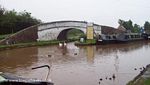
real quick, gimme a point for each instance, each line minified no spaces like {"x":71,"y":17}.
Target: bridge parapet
{"x":62,"y":24}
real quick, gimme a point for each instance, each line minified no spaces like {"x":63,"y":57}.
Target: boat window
{"x":126,"y":36}
{"x":114,"y":37}
{"x":138,"y":36}
{"x":100,"y":37}
{"x":108,"y":37}
{"x":132,"y":36}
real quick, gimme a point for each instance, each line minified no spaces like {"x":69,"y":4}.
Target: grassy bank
{"x":143,"y":78}
{"x":30,"y":44}
{"x":4,"y":36}
{"x":74,"y":34}
{"x":87,"y":42}
{"x":140,"y":81}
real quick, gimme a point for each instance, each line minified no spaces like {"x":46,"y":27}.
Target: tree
{"x":2,"y":10}
{"x":136,"y":28}
{"x":12,"y":21}
{"x":126,"y":24}
{"x":129,"y":26}
{"x":147,"y":27}
{"x":121,"y":21}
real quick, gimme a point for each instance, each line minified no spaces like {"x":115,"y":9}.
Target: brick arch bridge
{"x":58,"y":30}
{"x":48,"y":31}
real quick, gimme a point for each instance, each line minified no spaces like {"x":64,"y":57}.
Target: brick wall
{"x":27,"y":35}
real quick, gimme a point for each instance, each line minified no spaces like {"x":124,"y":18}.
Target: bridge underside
{"x":63,"y":35}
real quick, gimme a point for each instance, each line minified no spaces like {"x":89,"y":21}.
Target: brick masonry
{"x":27,"y":35}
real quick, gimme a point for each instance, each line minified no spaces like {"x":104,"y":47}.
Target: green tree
{"x":9,"y":21}
{"x":136,"y":28}
{"x":12,"y":21}
{"x":129,"y":26}
{"x":25,"y":19}
{"x":2,"y":10}
{"x":147,"y":27}
{"x":121,"y":21}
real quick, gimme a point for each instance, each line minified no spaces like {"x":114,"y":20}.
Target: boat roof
{"x":9,"y":79}
{"x":2,"y":79}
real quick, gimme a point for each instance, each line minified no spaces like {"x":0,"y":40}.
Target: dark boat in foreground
{"x":9,"y":79}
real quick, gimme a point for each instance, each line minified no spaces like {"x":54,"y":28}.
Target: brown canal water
{"x":82,"y":65}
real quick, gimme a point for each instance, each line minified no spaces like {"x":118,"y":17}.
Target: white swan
{"x":65,"y":44}
{"x":60,"y":44}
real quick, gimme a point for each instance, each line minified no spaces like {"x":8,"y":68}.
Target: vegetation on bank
{"x":30,"y":44}
{"x":135,"y":28}
{"x":86,"y":42}
{"x":143,"y":78}
{"x":141,"y":81}
{"x":44,"y":43}
{"x":4,"y":36}
{"x":41,"y":43}
{"x":75,"y":34}
{"x":12,"y":21}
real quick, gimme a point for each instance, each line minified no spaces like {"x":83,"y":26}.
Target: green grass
{"x":93,"y":41}
{"x":75,"y":34}
{"x":141,"y":81}
{"x":87,"y":42}
{"x":4,"y":36}
{"x":30,"y":44}
{"x":147,"y":81}
{"x":40,"y":43}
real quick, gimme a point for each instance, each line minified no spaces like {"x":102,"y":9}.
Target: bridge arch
{"x":63,"y":35}
{"x":58,"y":30}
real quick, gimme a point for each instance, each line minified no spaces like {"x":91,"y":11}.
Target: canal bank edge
{"x":86,"y":42}
{"x":31,"y":44}
{"x":143,"y":78}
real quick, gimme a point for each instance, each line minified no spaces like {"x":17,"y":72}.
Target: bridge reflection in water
{"x":82,"y":65}
{"x":90,"y":54}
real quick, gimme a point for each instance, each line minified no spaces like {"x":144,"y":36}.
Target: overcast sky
{"x":103,"y":12}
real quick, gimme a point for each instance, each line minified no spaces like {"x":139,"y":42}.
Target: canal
{"x":79,"y":65}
